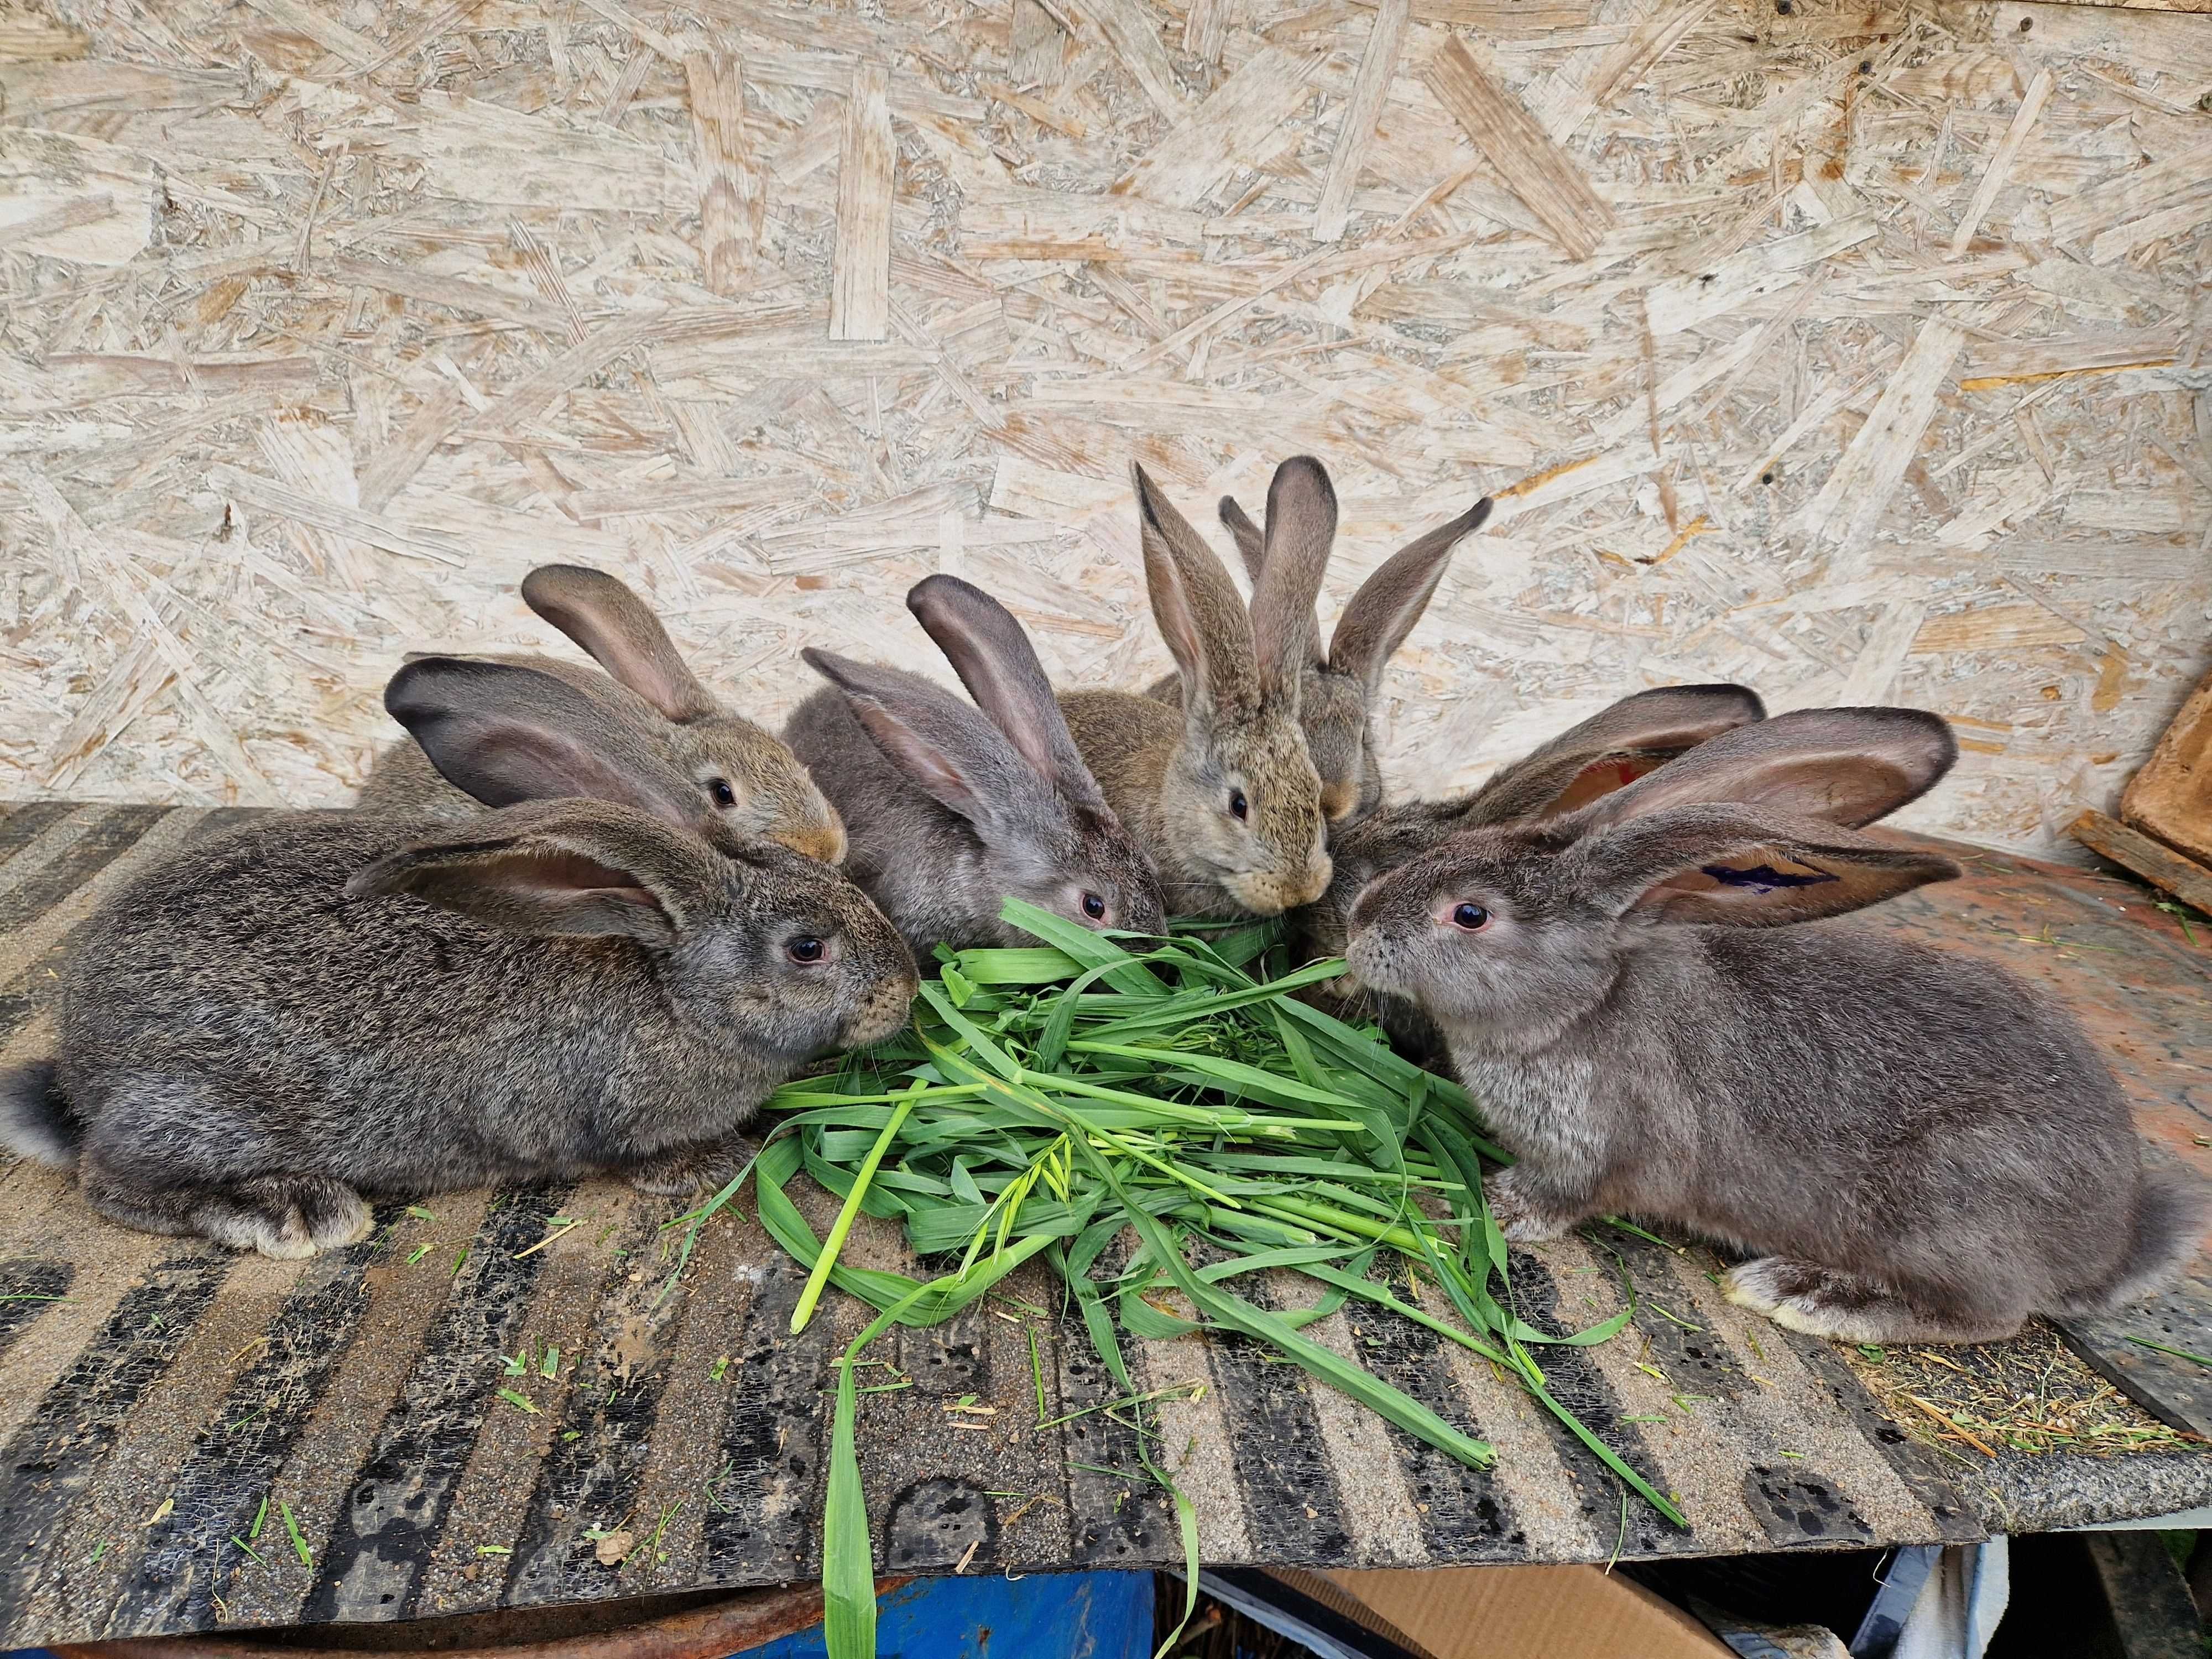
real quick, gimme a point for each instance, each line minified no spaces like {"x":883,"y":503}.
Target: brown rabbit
{"x":741,"y":775}
{"x":1339,"y":687}
{"x":1221,"y":792}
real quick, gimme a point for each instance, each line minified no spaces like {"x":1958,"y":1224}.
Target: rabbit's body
{"x":1914,"y":1147}
{"x":319,"y":1005}
{"x":652,"y":707}
{"x":1217,"y":788}
{"x":952,"y":806}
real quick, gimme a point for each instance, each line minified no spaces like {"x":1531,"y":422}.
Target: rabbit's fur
{"x":1610,"y":750}
{"x":949,"y":806}
{"x":1175,"y":775}
{"x":320,"y":1008}
{"x":739,"y":774}
{"x":1338,"y":687}
{"x":1913,"y":1147}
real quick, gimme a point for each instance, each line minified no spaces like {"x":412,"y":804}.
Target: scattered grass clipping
{"x":1045,"y":1101}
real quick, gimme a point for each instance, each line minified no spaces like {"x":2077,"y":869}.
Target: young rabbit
{"x":948,"y":810}
{"x":1220,"y":792}
{"x":1610,"y":750}
{"x":1913,"y":1147}
{"x":738,"y":773}
{"x":321,"y":1008}
{"x":1338,"y":687}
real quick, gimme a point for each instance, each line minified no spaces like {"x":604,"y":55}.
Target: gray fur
{"x":1604,"y":753}
{"x":949,"y":812}
{"x":1339,"y":686}
{"x":1172,"y":772}
{"x":654,"y":706}
{"x":1914,"y":1147}
{"x":35,"y":1120}
{"x":318,"y":1008}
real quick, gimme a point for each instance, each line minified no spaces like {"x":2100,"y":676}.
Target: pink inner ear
{"x":572,"y":873}
{"x":1603,"y":777}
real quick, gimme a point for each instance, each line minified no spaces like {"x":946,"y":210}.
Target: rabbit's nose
{"x":823,"y":843}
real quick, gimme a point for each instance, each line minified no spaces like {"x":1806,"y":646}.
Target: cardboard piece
{"x":1513,"y":1612}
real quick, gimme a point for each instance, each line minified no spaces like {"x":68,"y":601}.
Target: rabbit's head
{"x":1005,"y":764}
{"x":1240,"y":804}
{"x":750,"y":937}
{"x":749,"y":778}
{"x":1608,"y":751}
{"x":1511,"y":932}
{"x":1339,"y":687}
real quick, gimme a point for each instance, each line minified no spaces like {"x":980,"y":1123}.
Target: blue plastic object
{"x":1066,"y":1616}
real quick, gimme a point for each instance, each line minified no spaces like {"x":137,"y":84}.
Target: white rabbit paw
{"x":286,"y":1216}
{"x":1803,"y":1296}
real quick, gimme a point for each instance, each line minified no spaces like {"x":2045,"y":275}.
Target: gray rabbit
{"x":1608,"y":751}
{"x":654,"y":707}
{"x":1220,"y":792}
{"x":319,"y":1008}
{"x":948,"y":811}
{"x":1340,"y":684}
{"x":1912,"y":1145}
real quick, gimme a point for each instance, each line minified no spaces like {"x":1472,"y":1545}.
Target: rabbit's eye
{"x":719,"y":791}
{"x":1094,"y":907}
{"x":805,"y":948}
{"x":1472,"y":917}
{"x":1237,"y":805}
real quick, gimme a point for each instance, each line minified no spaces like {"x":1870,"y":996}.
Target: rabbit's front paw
{"x":680,"y":1174}
{"x":1521,"y":1217}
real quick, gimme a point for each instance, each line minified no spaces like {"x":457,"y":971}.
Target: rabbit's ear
{"x":1251,"y":546}
{"x":565,"y":868}
{"x":1389,"y":602}
{"x":506,"y":733}
{"x":944,"y":745}
{"x":1200,"y":613}
{"x":1301,"y":530}
{"x":1610,"y":750}
{"x":1848,"y":766}
{"x":1744,"y":866}
{"x":616,"y":630}
{"x":993,"y":655}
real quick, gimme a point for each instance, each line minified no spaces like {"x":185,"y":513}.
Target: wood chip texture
{"x":1811,"y":359}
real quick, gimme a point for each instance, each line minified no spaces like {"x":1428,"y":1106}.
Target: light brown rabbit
{"x":745,"y":779}
{"x":1338,"y":689}
{"x":1220,"y":792}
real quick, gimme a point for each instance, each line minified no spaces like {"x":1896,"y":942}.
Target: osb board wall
{"x":1855,"y":351}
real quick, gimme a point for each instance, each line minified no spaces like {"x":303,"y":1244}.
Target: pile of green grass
{"x":1043,"y":1100}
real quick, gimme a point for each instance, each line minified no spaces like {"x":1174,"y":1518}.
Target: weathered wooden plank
{"x":2171,"y":798}
{"x":2156,"y":863}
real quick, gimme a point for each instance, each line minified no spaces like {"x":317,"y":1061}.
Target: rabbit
{"x":1610,"y":750}
{"x":1338,"y":687}
{"x":739,"y":772}
{"x":1221,"y":792}
{"x":948,"y":811}
{"x":317,"y":1009}
{"x":1912,"y":1147}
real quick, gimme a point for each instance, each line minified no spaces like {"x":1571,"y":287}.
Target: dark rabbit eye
{"x":1094,"y":907}
{"x":722,"y":794}
{"x":1472,"y":917}
{"x":804,"y":949}
{"x":1237,"y":804}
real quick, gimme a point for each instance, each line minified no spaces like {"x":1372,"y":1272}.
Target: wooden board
{"x":155,"y":1393}
{"x":321,"y":322}
{"x":2154,"y":862}
{"x":2172,"y":797}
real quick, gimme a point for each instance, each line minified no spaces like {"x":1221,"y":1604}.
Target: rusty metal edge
{"x":746,"y":1620}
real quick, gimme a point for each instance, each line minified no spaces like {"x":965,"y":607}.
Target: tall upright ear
{"x":1301,"y":530}
{"x":946,"y":748}
{"x":571,"y":867}
{"x":1848,"y":766}
{"x":616,"y":630}
{"x":1251,"y":546}
{"x":1200,"y":613}
{"x":506,"y":733}
{"x":1721,"y":863}
{"x":991,"y":653}
{"x":1389,"y":602}
{"x":1609,"y":750}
